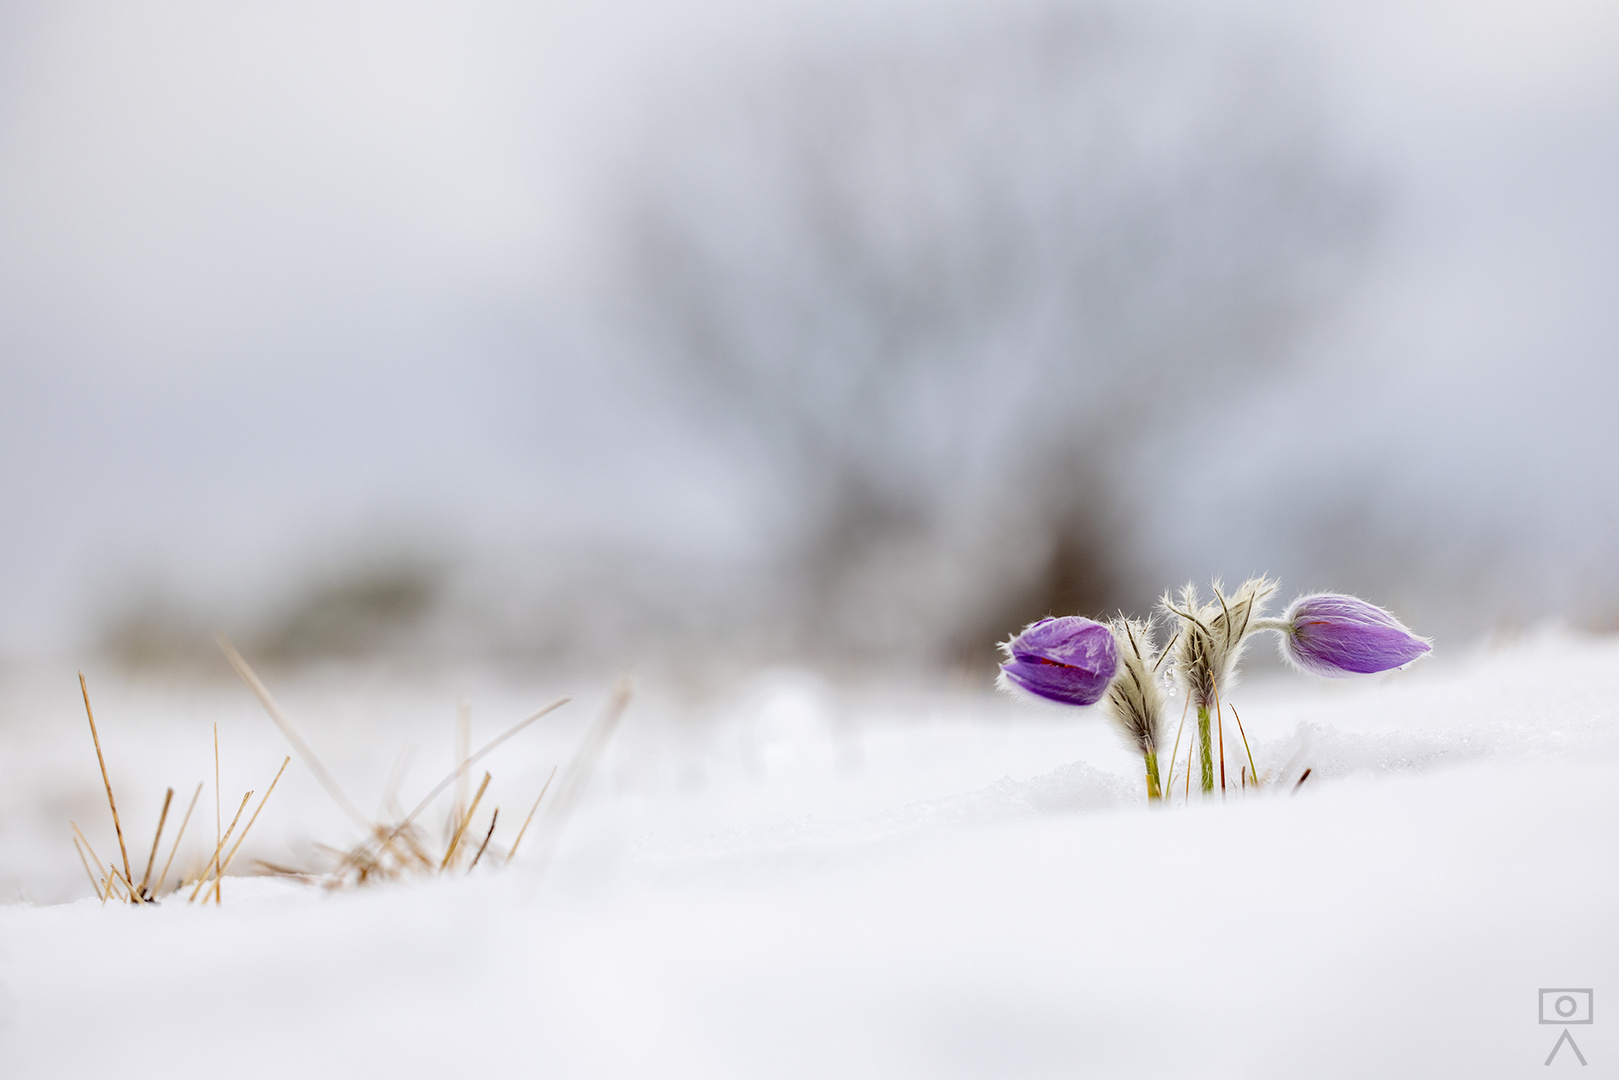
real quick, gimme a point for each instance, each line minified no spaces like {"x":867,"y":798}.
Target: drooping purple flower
{"x":1069,"y":660}
{"x":1335,"y":635}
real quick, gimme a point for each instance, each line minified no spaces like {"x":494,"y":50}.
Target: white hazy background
{"x":561,"y":330}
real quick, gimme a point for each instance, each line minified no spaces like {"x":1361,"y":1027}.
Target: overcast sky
{"x":275,"y":279}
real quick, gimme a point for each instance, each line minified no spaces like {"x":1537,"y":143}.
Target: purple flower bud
{"x":1069,"y":660}
{"x":1334,"y":635}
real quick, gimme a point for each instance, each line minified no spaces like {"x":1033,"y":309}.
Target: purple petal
{"x":1069,"y":660}
{"x":1335,"y":635}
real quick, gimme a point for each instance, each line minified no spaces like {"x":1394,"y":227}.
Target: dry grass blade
{"x":547,"y":787}
{"x":410,"y":838}
{"x":277,"y":870}
{"x":577,"y":775}
{"x":396,"y":778}
{"x":162,"y":818}
{"x":392,"y":850}
{"x":1302,"y":779}
{"x":486,"y":838}
{"x":91,"y":874}
{"x":302,"y":749}
{"x":116,"y":824}
{"x":93,"y":856}
{"x":208,"y":870}
{"x":121,"y":893}
{"x":218,"y":815}
{"x":114,"y":878}
{"x":218,"y":839}
{"x":1169,"y":781}
{"x":449,"y":852}
{"x":463,"y":750}
{"x":1252,"y":771}
{"x":158,"y":888}
{"x":438,"y":789}
{"x":245,"y":828}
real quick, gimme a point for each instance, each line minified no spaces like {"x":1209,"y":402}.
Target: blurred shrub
{"x":372,"y":608}
{"x":940,"y":288}
{"x":377,"y":604}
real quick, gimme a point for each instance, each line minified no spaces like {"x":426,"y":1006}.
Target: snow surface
{"x":803,"y":881}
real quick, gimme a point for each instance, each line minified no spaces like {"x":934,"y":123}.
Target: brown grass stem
{"x":85,"y":861}
{"x":583,"y":764}
{"x":546,"y":787}
{"x":1169,"y":780}
{"x":158,"y":888}
{"x":1302,"y":779}
{"x":438,"y":789}
{"x":385,"y":837}
{"x":463,"y":750}
{"x":117,"y":825}
{"x":449,"y":852}
{"x":486,"y":838}
{"x":1252,"y":770}
{"x":301,"y":748}
{"x":162,"y":818}
{"x":396,"y":779}
{"x":218,"y":840}
{"x":213,"y":863}
{"x":100,"y":866}
{"x":245,"y":828}
{"x":408,"y":837}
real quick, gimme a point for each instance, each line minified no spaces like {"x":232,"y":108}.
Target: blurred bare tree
{"x":940,"y":290}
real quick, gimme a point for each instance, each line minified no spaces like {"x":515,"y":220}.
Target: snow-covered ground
{"x":799,"y":881}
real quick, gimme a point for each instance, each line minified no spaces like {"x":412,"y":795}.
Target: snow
{"x":806,"y":881}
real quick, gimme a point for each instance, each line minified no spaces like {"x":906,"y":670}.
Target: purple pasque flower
{"x":1069,"y":660}
{"x":1335,"y":635}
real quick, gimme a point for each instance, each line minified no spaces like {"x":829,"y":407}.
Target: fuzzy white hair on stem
{"x":1135,"y":700}
{"x":1212,"y":637}
{"x":1214,"y":634}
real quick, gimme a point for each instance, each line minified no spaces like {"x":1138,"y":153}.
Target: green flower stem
{"x":1153,"y":792}
{"x":1205,"y":748}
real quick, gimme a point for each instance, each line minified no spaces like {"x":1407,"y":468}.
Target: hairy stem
{"x":1205,"y":749}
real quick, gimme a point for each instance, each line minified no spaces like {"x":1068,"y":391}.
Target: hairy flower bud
{"x":1135,"y":700}
{"x":1335,"y":635}
{"x":1213,"y":635}
{"x":1069,"y":660}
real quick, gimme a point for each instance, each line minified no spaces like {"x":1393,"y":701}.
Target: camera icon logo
{"x":1565,"y":1006}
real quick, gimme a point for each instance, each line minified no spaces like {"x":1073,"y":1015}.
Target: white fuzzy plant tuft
{"x":1135,"y":700}
{"x":1210,"y":645}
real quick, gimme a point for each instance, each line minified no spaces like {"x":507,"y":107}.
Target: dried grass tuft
{"x":449,"y":852}
{"x":391,"y":847}
{"x":396,"y":846}
{"x":111,"y":883}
